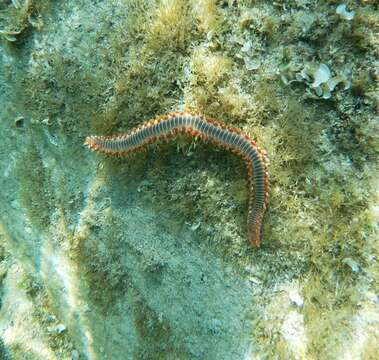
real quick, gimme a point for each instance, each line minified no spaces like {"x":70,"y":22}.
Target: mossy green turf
{"x":128,"y":61}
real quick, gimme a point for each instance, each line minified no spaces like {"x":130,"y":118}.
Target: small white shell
{"x":60,"y":328}
{"x":322,"y":75}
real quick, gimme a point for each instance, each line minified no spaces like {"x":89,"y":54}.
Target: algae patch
{"x":34,"y":196}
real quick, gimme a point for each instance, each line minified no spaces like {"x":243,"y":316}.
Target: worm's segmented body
{"x":209,"y":130}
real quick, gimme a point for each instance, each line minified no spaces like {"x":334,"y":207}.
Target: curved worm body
{"x":207,"y":129}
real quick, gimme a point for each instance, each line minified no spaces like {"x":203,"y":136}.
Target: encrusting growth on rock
{"x":207,"y":129}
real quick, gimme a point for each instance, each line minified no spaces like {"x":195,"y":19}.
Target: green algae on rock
{"x":146,"y":259}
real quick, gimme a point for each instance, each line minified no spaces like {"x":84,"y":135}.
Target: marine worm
{"x":164,"y":127}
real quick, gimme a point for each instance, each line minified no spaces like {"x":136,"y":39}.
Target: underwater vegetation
{"x":16,"y":16}
{"x":147,"y":258}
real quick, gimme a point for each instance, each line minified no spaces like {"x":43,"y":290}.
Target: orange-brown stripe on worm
{"x":209,"y":130}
